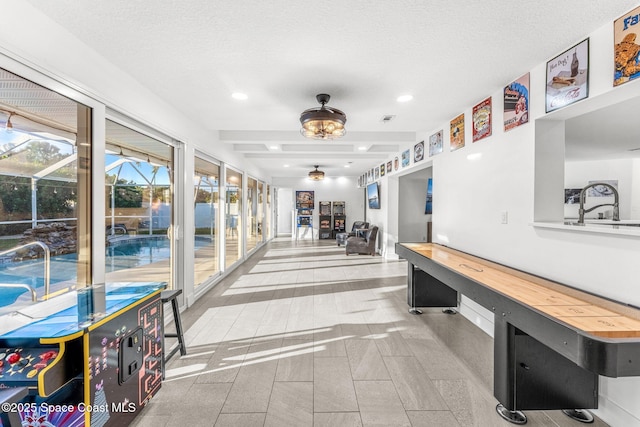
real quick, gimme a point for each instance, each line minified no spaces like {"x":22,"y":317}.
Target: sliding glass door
{"x":45,"y":193}
{"x":206,"y":215}
{"x":139,"y":204}
{"x":233,"y":216}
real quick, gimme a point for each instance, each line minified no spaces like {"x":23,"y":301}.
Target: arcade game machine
{"x":339,"y":218}
{"x":88,"y":358}
{"x":324,"y":229}
{"x":304,"y":213}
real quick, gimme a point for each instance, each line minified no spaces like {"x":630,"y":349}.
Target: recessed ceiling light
{"x":405,"y":98}
{"x":273,"y":147}
{"x":239,"y":96}
{"x":285,"y":166}
{"x":362,"y":148}
{"x":347,"y":166}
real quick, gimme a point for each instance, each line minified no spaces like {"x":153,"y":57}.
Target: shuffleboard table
{"x":551,"y":341}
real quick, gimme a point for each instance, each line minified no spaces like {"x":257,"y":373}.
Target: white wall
{"x":635,"y":189}
{"x":411,"y":206}
{"x":283,"y":210}
{"x":380,"y":217}
{"x":330,"y":189}
{"x":506,"y":172}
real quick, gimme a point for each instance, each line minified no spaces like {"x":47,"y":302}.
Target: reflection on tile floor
{"x":302,"y":335}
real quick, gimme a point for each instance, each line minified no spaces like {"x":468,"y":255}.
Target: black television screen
{"x":373,"y":196}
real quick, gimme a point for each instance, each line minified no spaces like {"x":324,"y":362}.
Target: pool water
{"x":119,"y":256}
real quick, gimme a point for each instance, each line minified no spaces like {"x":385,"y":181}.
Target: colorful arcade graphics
{"x":19,"y":366}
{"x":124,"y":360}
{"x":113,"y":365}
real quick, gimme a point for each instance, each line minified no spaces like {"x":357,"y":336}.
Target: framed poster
{"x":428,"y":209}
{"x":376,"y":173}
{"x":396,"y":163}
{"x":626,"y":52}
{"x":481,"y":120}
{"x":389,"y":166}
{"x":304,"y":200}
{"x":418,"y":152}
{"x":435,"y":143}
{"x":406,"y":158}
{"x":456,"y":132}
{"x":572,"y":196}
{"x":568,"y":77}
{"x":602,"y":190}
{"x":516,"y":103}
{"x":382,"y":169}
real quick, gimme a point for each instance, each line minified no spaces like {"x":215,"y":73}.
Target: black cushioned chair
{"x":365,"y":245}
{"x":341,"y":238}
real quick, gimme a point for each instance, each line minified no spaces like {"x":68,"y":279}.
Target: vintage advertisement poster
{"x":406,"y":158}
{"x":304,"y":200}
{"x":626,"y":49}
{"x":456,"y":132}
{"x":516,"y":103}
{"x":435,"y":143}
{"x":481,"y":120}
{"x":568,"y":77}
{"x":418,"y":152}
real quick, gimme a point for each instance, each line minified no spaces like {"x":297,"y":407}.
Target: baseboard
{"x":613,"y":414}
{"x":476,"y":314}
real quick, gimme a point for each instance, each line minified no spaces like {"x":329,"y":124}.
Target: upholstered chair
{"x":364,"y":245}
{"x":341,"y":238}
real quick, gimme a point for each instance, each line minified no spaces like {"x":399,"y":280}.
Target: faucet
{"x":583,"y":192}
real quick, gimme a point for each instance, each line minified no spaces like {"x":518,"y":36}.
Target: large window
{"x":233,"y":217}
{"x":252,"y":213}
{"x":267,"y":219}
{"x":206,"y":196}
{"x":260,"y":213}
{"x":138,"y":219}
{"x":45,"y":197}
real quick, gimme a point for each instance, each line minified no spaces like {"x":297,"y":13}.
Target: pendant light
{"x":316,"y":175}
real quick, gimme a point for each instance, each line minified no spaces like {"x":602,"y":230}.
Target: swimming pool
{"x":120,"y":255}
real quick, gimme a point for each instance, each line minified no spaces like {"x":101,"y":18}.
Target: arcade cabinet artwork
{"x":304,"y":213}
{"x":339,"y":218}
{"x":325,"y":220}
{"x":86,"y":373}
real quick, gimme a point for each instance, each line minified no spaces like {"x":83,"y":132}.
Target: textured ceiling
{"x":447,"y":54}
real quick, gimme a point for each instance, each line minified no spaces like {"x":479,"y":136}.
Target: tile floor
{"x":303,"y":335}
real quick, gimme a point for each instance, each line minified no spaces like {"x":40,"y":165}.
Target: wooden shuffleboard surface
{"x":580,"y":310}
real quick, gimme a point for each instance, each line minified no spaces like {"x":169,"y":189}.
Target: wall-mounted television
{"x":373,"y":196}
{"x":429,"y":205}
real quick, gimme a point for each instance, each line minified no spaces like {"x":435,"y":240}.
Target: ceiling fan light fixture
{"x":316,"y":175}
{"x":324,"y":122}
